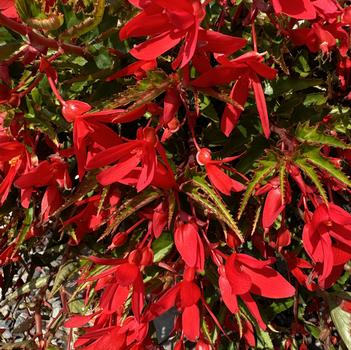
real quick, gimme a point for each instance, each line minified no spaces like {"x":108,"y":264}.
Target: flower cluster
{"x":191,"y":162}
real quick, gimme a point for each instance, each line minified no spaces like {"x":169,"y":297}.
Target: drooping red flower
{"x":327,"y":240}
{"x":107,"y":333}
{"x":138,"y":69}
{"x":322,"y":37}
{"x":167,"y":23}
{"x":14,"y":160}
{"x":8,"y":9}
{"x":243,"y":275}
{"x":299,"y":9}
{"x":117,"y":281}
{"x":52,"y":174}
{"x":185,"y":296}
{"x":296,"y":266}
{"x":274,"y":203}
{"x":215,"y":173}
{"x":128,"y":156}
{"x":246,"y":70}
{"x":91,"y":217}
{"x":189,"y":244}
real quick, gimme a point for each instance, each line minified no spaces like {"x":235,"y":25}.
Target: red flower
{"x":90,"y":135}
{"x":327,"y":240}
{"x":243,"y":275}
{"x":167,"y":23}
{"x":128,"y":156}
{"x":138,"y":68}
{"x":216,"y":175}
{"x":14,"y":159}
{"x":89,"y":132}
{"x":8,"y":9}
{"x":91,"y":217}
{"x":53,"y":174}
{"x":189,"y":244}
{"x":296,"y":265}
{"x":246,"y":69}
{"x":274,"y":204}
{"x":299,"y":9}
{"x":210,"y":41}
{"x":117,"y":281}
{"x":185,"y":295}
{"x":322,"y":38}
{"x":170,"y":22}
{"x":160,"y":218}
{"x":106,"y":331}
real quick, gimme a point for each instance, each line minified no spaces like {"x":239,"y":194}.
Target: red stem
{"x":254,"y":39}
{"x":40,"y":39}
{"x":55,"y":91}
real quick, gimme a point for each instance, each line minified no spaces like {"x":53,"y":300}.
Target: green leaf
{"x":27,"y":222}
{"x":88,"y":184}
{"x":302,"y":67}
{"x":341,"y":318}
{"x":276,"y":308}
{"x":310,"y":172}
{"x":63,"y":274}
{"x":162,"y":246}
{"x":88,"y":23}
{"x":264,"y":340}
{"x":26,"y":288}
{"x":7,"y":50}
{"x":145,"y":90}
{"x":284,"y":85}
{"x":129,"y":207}
{"x":313,"y":155}
{"x":81,"y":61}
{"x":202,"y":193}
{"x":5,"y":36}
{"x":21,"y":345}
{"x":316,"y":99}
{"x":103,"y":60}
{"x":314,"y":330}
{"x":306,"y":133}
{"x":265,"y":168}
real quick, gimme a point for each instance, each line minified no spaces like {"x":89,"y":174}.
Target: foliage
{"x":175,"y":174}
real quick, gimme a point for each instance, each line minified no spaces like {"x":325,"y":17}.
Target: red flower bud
{"x":203,"y":156}
{"x":73,"y":109}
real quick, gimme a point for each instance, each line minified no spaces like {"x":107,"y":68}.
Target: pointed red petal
{"x":299,"y":9}
{"x":229,"y":298}
{"x":339,"y":215}
{"x":261,"y":104}
{"x":78,"y":321}
{"x":138,"y":297}
{"x":272,"y":207}
{"x":269,"y":283}
{"x":252,"y":306}
{"x":186,"y":241}
{"x":218,"y":75}
{"x":240,"y":282}
{"x":222,"y":181}
{"x":231,"y":114}
{"x":112,"y":154}
{"x":152,"y":48}
{"x":190,"y":44}
{"x":189,"y":293}
{"x":220,"y":43}
{"x":126,"y":274}
{"x":119,"y":171}
{"x":191,"y":322}
{"x":145,"y":24}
